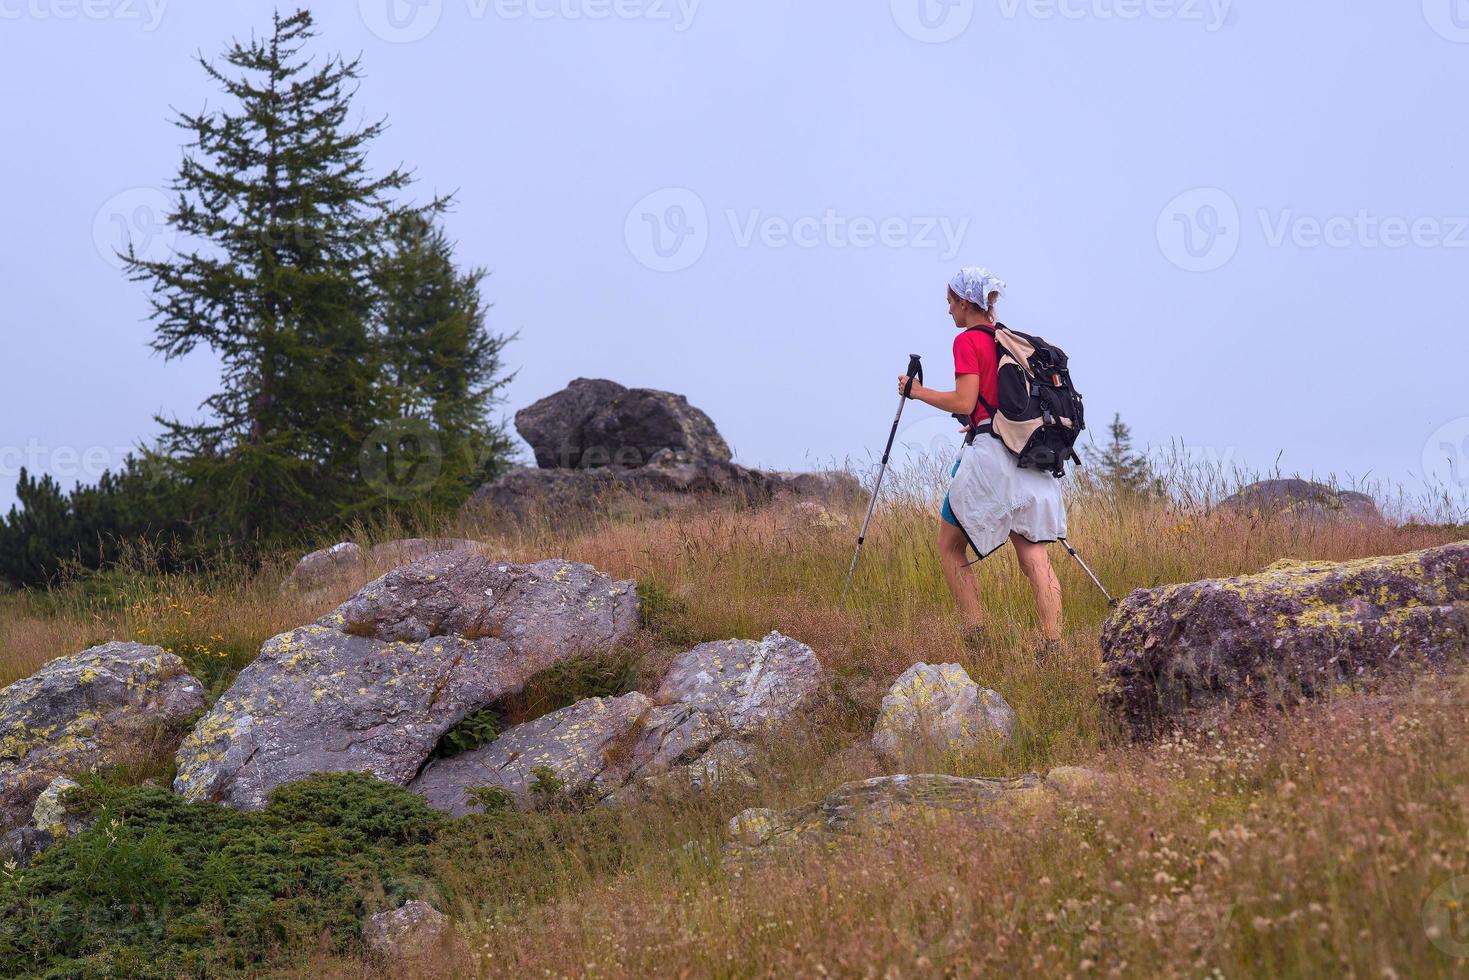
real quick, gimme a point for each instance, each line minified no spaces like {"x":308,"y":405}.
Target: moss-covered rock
{"x":1299,"y":630}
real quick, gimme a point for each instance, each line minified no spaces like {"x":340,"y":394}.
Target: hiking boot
{"x":1048,"y":653}
{"x":976,"y":639}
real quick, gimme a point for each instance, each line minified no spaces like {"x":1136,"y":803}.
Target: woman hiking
{"x":1021,"y":506}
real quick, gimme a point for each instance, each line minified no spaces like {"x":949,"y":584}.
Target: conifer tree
{"x":441,"y":368}
{"x":286,"y":224}
{"x":1124,"y":471}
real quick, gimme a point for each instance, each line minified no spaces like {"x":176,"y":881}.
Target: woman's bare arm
{"x":960,"y":401}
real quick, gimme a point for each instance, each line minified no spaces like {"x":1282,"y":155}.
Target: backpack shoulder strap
{"x":982,"y":400}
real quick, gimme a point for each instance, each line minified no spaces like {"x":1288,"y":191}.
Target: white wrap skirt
{"x":991,"y":496}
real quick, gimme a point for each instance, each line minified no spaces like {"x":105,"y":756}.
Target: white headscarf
{"x":975,"y":283}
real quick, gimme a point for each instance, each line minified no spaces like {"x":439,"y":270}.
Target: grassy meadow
{"x":1329,"y":842}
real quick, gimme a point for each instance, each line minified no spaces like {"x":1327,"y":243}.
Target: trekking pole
{"x":1111,"y":602}
{"x":914,"y":373}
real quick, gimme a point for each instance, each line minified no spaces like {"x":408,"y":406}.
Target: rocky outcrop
{"x":85,"y":711}
{"x":1303,"y":500}
{"x":891,"y":802}
{"x":411,"y":928}
{"x":1186,"y":654}
{"x":594,"y":423}
{"x":695,"y":731}
{"x":371,"y":686}
{"x":938,"y":712}
{"x":599,"y":445}
{"x":325,"y":567}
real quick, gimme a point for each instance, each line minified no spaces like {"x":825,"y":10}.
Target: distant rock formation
{"x":596,"y":441}
{"x":1303,"y":500}
{"x":1185,"y":654}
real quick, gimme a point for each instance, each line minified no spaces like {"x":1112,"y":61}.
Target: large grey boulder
{"x":715,"y":699}
{"x":334,"y":566}
{"x":638,"y":424}
{"x":371,"y":686}
{"x":601,"y":446}
{"x":553,"y":426}
{"x":594,"y":423}
{"x":1186,"y":655}
{"x":85,"y":711}
{"x":1303,"y":500}
{"x":938,"y":711}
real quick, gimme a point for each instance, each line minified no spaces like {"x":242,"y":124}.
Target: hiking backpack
{"x":1040,"y":415}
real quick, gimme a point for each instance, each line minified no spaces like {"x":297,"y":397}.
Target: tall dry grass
{"x":1294,"y":849}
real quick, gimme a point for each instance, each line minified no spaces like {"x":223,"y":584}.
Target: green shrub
{"x":161,"y":887}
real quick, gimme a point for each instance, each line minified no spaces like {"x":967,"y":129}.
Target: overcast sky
{"x":1248,"y":222}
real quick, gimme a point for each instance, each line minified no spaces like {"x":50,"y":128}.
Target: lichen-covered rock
{"x":715,"y":698}
{"x":372,"y":686}
{"x":411,"y":928}
{"x":84,"y":711}
{"x":1186,"y":654}
{"x":580,"y":744}
{"x":744,"y":685}
{"x":937,"y":711}
{"x":882,"y":803}
{"x":1303,"y":500}
{"x":50,"y":814}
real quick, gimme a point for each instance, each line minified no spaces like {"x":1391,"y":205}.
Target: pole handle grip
{"x":914,"y":373}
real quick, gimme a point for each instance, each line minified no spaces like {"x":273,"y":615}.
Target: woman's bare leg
{"x":954,"y":557}
{"x":1035,"y":562}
